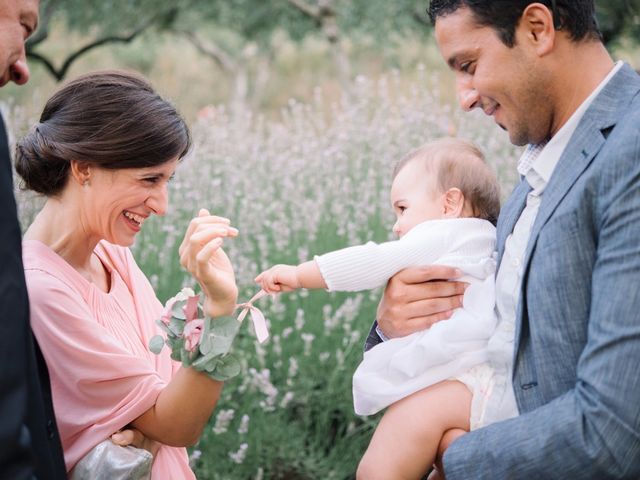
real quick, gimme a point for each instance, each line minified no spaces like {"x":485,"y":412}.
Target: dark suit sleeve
{"x":15,"y":442}
{"x":373,"y":338}
{"x":29,"y":443}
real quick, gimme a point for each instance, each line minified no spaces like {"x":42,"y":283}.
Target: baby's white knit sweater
{"x":401,"y":366}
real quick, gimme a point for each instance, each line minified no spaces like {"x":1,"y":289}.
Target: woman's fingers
{"x":204,"y":235}
{"x":128,"y":437}
{"x":201,"y":237}
{"x":202,"y":219}
{"x":203,"y":256}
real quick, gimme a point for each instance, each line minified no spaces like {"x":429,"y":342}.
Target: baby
{"x":446,"y":201}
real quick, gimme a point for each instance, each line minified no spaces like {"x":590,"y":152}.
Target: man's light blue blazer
{"x":577,"y":346}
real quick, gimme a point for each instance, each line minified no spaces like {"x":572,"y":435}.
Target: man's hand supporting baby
{"x":417,"y":297}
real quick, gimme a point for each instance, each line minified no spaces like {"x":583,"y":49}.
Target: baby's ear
{"x":453,"y":203}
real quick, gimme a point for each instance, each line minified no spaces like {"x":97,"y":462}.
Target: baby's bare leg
{"x":405,"y":444}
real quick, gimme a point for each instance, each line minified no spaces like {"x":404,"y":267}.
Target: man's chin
{"x":516,"y":139}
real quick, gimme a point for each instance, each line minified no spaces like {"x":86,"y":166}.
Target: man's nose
{"x":19,"y":71}
{"x":468,"y":96}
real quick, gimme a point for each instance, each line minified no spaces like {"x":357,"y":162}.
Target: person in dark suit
{"x":29,"y":443}
{"x":567,"y":240}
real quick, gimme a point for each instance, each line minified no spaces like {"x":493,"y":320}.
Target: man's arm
{"x":15,"y":335}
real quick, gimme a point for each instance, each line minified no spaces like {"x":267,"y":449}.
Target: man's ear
{"x":536,"y":27}
{"x":453,"y":203}
{"x":80,"y":171}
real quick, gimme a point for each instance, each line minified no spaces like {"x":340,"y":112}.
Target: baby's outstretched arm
{"x":286,"y":278}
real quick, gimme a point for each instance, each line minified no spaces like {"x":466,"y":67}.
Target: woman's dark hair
{"x":575,"y":16}
{"x":110,"y":119}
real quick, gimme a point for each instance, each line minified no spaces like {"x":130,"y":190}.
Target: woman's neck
{"x":59,"y":227}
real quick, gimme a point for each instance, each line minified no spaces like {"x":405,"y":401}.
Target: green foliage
{"x":112,"y":16}
{"x":254,"y":19}
{"x":619,"y":18}
{"x":381,"y":19}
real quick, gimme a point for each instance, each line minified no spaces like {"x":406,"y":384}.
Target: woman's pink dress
{"x":103,"y":376}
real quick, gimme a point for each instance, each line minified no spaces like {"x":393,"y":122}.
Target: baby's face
{"x":414,"y":198}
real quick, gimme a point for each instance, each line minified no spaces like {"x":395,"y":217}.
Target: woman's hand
{"x":202,"y":255}
{"x":134,"y":437}
{"x":417,"y":297}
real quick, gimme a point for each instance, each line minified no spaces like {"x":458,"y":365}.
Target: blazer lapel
{"x":584,"y":145}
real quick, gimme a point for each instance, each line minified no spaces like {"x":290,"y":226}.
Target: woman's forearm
{"x":182,"y":409}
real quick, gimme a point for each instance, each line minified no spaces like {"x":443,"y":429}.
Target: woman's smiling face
{"x":117,"y":202}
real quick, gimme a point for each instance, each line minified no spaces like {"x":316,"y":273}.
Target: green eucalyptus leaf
{"x":163,"y":326}
{"x":177,"y":309}
{"x":156,"y":343}
{"x":176,"y":326}
{"x":224,"y":327}
{"x":185,"y":358}
{"x":228,"y":367}
{"x":203,"y":362}
{"x":176,"y":349}
{"x":217,"y":345}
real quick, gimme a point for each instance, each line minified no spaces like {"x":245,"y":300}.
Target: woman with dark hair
{"x":103,"y":153}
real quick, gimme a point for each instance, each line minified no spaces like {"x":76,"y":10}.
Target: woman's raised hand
{"x":202,"y":255}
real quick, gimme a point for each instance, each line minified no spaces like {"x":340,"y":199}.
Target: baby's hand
{"x":279,"y":278}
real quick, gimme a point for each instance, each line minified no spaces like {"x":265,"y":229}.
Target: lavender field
{"x":311,"y":179}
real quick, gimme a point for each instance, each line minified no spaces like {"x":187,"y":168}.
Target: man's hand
{"x":447,"y":439}
{"x":417,"y":297}
{"x":134,"y":437}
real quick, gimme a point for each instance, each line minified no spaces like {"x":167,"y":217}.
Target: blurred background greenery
{"x":260,"y":52}
{"x":299,"y":109}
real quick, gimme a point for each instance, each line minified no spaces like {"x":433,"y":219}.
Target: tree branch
{"x":60,"y":73}
{"x":309,"y":10}
{"x":47,"y":64}
{"x":212,"y":51}
{"x":43,"y":28}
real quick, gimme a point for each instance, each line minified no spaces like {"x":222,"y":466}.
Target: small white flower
{"x":244,"y":424}
{"x":239,"y":456}
{"x":223,"y":419}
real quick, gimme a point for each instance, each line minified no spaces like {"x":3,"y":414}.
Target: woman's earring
{"x":85,"y":184}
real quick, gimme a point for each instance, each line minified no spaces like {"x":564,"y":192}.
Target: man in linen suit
{"x":29,"y":442}
{"x":568,"y":240}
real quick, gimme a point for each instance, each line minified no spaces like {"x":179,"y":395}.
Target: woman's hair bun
{"x":38,"y":164}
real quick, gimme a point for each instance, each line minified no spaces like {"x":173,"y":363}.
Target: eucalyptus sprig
{"x":195,"y":339}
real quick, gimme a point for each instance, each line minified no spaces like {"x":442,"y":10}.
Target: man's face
{"x":506,"y":83}
{"x":18,"y":20}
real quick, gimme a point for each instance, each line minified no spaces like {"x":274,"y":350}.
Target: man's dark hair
{"x":577,"y":17}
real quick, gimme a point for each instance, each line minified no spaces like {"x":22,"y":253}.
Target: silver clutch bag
{"x":108,"y":461}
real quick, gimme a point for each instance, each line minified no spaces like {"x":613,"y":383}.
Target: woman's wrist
{"x":219,"y":308}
